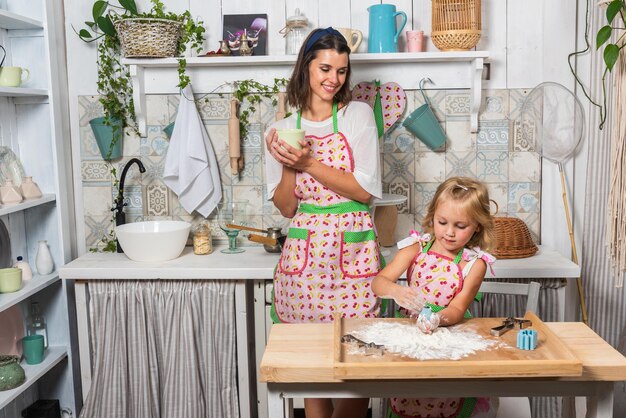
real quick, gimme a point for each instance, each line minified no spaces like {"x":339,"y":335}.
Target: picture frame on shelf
{"x":254,"y":26}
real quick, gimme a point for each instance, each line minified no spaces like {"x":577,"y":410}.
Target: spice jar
{"x":202,"y":243}
{"x":295,"y":32}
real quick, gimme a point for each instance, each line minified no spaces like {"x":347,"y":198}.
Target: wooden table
{"x":298,"y":363}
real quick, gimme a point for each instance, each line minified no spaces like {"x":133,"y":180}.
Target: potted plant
{"x":122,"y":31}
{"x":615,"y":9}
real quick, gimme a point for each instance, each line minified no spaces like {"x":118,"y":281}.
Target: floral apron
{"x":331,"y":251}
{"x":439,"y":279}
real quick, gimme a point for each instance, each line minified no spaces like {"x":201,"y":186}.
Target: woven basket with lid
{"x":513,"y":239}
{"x":456,"y":24}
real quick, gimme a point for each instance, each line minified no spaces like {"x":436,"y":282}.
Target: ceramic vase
{"x":43,"y":261}
{"x":11,"y":373}
{"x":30,"y":189}
{"x":9,"y":193}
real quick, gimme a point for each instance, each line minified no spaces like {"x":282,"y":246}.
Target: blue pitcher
{"x":383,"y":36}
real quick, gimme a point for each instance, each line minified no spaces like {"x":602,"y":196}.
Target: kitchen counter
{"x":254,"y":263}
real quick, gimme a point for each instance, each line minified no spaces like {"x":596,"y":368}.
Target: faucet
{"x":120,"y":216}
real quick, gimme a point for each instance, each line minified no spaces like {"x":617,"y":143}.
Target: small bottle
{"x":202,"y":243}
{"x":30,"y":189}
{"x":27,"y":272}
{"x":37,"y":323}
{"x":43,"y":260}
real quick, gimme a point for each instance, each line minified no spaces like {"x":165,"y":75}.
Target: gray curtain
{"x":162,"y":349}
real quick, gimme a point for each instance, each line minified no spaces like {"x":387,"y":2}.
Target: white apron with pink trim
{"x":331,"y":253}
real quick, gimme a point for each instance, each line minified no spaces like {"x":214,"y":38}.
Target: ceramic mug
{"x":415,"y":40}
{"x":353,"y":37}
{"x":13,"y":76}
{"x":291,"y":136}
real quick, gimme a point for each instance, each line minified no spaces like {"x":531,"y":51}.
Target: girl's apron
{"x":331,"y":251}
{"x":439,"y":279}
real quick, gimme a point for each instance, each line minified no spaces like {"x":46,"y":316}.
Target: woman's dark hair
{"x":299,"y":89}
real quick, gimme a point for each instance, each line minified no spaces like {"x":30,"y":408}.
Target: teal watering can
{"x":383,"y":33}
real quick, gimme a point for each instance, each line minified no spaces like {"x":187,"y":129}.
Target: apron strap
{"x":335,"y":124}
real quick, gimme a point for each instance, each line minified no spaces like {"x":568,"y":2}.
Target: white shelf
{"x":53,"y":356}
{"x":26,"y":204}
{"x":9,"y":20}
{"x":447,"y":70}
{"x":22,"y":92}
{"x":33,"y":286}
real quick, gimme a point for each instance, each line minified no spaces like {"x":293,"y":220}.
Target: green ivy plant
{"x":252,"y":92}
{"x":615,"y":23}
{"x":114,"y":84}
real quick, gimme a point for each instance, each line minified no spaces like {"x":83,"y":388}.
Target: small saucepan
{"x":272,"y":243}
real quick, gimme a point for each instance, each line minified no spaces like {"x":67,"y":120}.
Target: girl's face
{"x":327,"y":74}
{"x":453,"y":227}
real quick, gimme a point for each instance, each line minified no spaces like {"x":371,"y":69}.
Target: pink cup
{"x":415,"y":40}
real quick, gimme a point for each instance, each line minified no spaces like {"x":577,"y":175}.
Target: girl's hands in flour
{"x":409,"y":298}
{"x":428,"y":323}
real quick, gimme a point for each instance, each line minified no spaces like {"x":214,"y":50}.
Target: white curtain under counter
{"x":170,"y":338}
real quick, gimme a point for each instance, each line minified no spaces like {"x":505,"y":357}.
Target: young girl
{"x":445,"y":267}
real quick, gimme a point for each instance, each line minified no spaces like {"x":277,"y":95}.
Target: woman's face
{"x":327,"y":74}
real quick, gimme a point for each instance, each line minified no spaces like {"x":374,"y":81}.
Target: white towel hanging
{"x":191,"y":169}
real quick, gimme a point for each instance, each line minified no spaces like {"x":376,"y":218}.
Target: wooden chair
{"x":531,"y":290}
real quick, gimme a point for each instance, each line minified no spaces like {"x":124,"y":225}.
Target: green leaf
{"x":611,"y":54}
{"x":603,"y":35}
{"x":98,"y":9}
{"x":105,"y":24}
{"x":613,"y":10}
{"x":130,"y":6}
{"x":84,"y":33}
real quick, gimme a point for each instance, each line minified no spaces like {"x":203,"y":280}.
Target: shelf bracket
{"x":139,"y":97}
{"x":476,"y":72}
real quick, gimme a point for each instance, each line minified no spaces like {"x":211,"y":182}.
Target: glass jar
{"x":202,"y":242}
{"x":295,"y":32}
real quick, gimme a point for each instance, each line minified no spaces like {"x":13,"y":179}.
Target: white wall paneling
{"x":494,"y":39}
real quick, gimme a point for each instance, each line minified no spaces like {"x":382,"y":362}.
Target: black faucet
{"x":120,"y":216}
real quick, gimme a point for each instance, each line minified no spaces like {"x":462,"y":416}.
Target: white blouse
{"x":356,"y":122}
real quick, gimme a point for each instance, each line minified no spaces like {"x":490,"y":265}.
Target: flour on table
{"x":446,"y":343}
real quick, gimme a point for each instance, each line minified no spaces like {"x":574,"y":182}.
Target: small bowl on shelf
{"x":10,"y":280}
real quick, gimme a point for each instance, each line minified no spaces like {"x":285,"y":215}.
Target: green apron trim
{"x":335,"y":123}
{"x":378,"y":111}
{"x":338,"y":209}
{"x":359,"y":236}
{"x":299,"y":233}
{"x":456,"y":260}
{"x":434,"y":308}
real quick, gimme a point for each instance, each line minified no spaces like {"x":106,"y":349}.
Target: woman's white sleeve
{"x":365,"y":150}
{"x":273,"y":169}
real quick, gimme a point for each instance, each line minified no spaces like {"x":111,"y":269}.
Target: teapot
{"x":383,"y":34}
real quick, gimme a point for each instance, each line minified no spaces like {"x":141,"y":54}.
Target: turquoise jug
{"x":383,"y":36}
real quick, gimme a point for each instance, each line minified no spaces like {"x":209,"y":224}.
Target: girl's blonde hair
{"x":473,"y":197}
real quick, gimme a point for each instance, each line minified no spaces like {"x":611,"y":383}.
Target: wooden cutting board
{"x":551,"y":358}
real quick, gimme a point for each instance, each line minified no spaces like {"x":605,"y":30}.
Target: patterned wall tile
{"x":97,"y":200}
{"x":516,"y":100}
{"x":430,"y":167}
{"x":399,"y":140}
{"x":499,"y":193}
{"x":493,"y":135}
{"x":404,"y":189}
{"x":437,"y":99}
{"x":406,"y":223}
{"x":157,"y":200}
{"x":177,"y":211}
{"x":89,"y":107}
{"x":492,"y":166}
{"x":460,"y":139}
{"x":524,"y":135}
{"x":173,"y":101}
{"x":154,"y":170}
{"x":157,"y":109}
{"x":267,"y":111}
{"x":155,"y":142}
{"x":214,"y":107}
{"x":95,"y":172}
{"x":524,"y":197}
{"x":131,"y":144}
{"x":494,"y":105}
{"x":88,"y":147}
{"x":97,"y":227}
{"x":422,"y":195}
{"x":533,"y":222}
{"x":524,"y":167}
{"x":133,"y":197}
{"x":461,"y":164}
{"x":253,"y":170}
{"x":398,"y":167}
{"x":457,"y":103}
{"x":254,"y":138}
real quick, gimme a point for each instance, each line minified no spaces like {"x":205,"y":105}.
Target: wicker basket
{"x":455,"y":24}
{"x":513,"y":239}
{"x":148,"y":38}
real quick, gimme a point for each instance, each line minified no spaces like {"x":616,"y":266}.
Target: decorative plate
{"x":10,"y":167}
{"x":392,"y":100}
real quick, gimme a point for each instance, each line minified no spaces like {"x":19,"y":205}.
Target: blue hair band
{"x":317,"y":35}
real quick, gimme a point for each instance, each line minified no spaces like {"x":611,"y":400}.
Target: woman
{"x":331,"y":253}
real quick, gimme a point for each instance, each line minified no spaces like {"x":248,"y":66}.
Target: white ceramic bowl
{"x":153,"y":240}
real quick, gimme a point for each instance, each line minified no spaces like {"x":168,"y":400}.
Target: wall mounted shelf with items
{"x":447,"y":70}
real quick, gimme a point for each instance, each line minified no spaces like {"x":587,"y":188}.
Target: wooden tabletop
{"x":303,"y":353}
